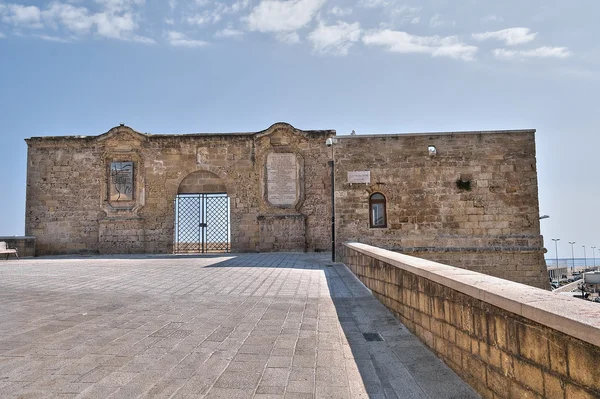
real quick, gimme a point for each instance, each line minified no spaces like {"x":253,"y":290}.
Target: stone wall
{"x":63,"y":190}
{"x":282,"y":233}
{"x":492,"y":228}
{"x":25,"y":246}
{"x":507,"y":340}
{"x":71,"y":208}
{"x":114,"y":193}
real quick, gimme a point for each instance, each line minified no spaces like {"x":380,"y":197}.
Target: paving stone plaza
{"x":278,"y":325}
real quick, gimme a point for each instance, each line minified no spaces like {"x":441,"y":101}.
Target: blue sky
{"x":375,"y":66}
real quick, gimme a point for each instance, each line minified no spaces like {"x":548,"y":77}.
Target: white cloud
{"x":394,"y":13}
{"x":2,"y":35}
{"x":375,"y":3}
{"x":405,"y":14}
{"x":178,"y":39}
{"x":397,"y":13}
{"x":238,"y":6}
{"x":114,"y":26}
{"x":510,"y":37}
{"x":22,"y":16}
{"x":115,"y":21}
{"x":215,"y":14}
{"x":75,"y":19}
{"x":283,"y":16}
{"x":335,"y":39}
{"x":540,"y":52}
{"x":436,"y":46}
{"x":437,"y":22}
{"x":117,"y":6}
{"x":492,"y":18}
{"x":139,"y":39}
{"x":169,"y":21}
{"x":172,"y":4}
{"x":288,"y":37}
{"x":229,"y":32}
{"x":204,"y":18}
{"x":52,"y":38}
{"x":340,"y":12}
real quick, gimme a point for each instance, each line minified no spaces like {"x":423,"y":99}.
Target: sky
{"x":81,"y":67}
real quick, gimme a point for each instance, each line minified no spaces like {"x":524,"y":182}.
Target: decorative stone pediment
{"x":278,"y":131}
{"x":123,"y":182}
{"x":122,"y":138}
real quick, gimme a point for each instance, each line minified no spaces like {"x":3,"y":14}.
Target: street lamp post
{"x":556,"y":240}
{"x":329,"y":142}
{"x":594,"y":255}
{"x":572,"y":257}
{"x":584,"y":257}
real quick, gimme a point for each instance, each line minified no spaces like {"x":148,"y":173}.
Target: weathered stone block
{"x":575,"y":392}
{"x":475,"y":368}
{"x":553,"y":387}
{"x":558,"y":355}
{"x":518,"y":392}
{"x":498,"y":383}
{"x":580,"y":357}
{"x":529,"y":375}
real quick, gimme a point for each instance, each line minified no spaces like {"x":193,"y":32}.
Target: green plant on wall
{"x":464,"y":185}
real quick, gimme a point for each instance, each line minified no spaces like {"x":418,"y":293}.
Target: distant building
{"x":592,"y":281}
{"x":468,"y":199}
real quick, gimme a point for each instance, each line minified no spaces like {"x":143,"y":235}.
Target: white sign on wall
{"x":282,"y":173}
{"x":359,"y":176}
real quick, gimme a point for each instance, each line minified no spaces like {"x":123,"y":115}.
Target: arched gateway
{"x":201,"y":214}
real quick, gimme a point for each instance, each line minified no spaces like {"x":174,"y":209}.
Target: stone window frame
{"x":377,"y":201}
{"x":138,"y":201}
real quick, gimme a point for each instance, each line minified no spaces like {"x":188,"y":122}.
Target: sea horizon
{"x":578,"y":262}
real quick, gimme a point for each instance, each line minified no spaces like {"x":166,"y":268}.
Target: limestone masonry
{"x":467,"y":199}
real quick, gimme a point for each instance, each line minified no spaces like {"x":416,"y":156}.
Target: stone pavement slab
{"x":279,"y":325}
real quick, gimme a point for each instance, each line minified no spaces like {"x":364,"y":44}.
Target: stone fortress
{"x":467,"y":199}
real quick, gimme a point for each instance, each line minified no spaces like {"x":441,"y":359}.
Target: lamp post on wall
{"x":329,"y":143}
{"x":556,"y":240}
{"x":584,"y":257}
{"x":572,"y":257}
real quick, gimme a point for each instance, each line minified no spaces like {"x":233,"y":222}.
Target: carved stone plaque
{"x":282,"y":176}
{"x":359,"y":176}
{"x":121,"y":181}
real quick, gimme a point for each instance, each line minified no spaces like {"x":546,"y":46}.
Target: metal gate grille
{"x":201,"y":223}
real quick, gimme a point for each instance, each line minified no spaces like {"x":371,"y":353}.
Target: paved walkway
{"x":234,"y":326}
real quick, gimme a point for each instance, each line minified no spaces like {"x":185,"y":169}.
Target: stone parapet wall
{"x":24,"y":245}
{"x":522,"y":265}
{"x":506,"y":339}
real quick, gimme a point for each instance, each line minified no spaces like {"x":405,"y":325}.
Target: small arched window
{"x":377,"y":211}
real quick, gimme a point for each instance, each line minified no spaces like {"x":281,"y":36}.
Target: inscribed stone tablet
{"x":282,"y":178}
{"x":359,"y":176}
{"x":121,"y":181}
